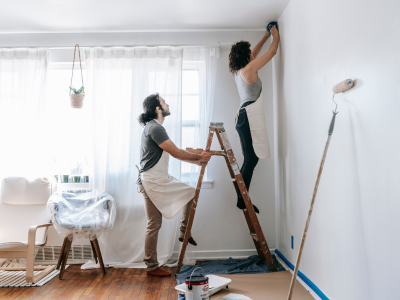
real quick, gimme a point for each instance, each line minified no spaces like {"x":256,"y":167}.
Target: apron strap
{"x":237,"y":117}
{"x":137,"y":187}
{"x":236,"y":133}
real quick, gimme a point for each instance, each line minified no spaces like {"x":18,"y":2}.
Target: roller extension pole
{"x":332,"y":125}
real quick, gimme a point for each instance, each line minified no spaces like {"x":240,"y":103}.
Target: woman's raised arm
{"x":257,"y":63}
{"x":260,"y":44}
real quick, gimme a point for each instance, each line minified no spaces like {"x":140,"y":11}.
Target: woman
{"x":250,"y":119}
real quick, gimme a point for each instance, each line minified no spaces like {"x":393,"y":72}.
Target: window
{"x":190,"y":108}
{"x":190,"y":112}
{"x":69,"y":128}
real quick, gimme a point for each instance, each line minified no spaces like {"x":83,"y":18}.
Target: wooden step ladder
{"x":249,"y":213}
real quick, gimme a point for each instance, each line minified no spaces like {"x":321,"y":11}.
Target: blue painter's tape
{"x":303,"y":277}
{"x":270,"y":24}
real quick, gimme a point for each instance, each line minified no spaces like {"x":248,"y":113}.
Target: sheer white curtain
{"x":119,"y":79}
{"x":203,"y":59}
{"x":25,"y":141}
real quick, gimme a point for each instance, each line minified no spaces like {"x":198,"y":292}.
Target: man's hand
{"x":183,"y":155}
{"x":204,"y":157}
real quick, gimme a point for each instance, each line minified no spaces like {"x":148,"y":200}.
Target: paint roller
{"x":339,"y":88}
{"x":343,"y":86}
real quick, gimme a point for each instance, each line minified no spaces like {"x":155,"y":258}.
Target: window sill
{"x":205,"y":185}
{"x":72,"y":186}
{"x":85,"y":185}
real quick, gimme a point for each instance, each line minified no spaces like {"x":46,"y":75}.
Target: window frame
{"x":200,"y":67}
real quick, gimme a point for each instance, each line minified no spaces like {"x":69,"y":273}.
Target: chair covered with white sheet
{"x":83,"y":213}
{"x":24,"y":221}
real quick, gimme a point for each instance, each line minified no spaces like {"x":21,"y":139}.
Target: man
{"x":163,"y":194}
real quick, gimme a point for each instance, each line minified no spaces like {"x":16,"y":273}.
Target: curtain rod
{"x":83,"y":47}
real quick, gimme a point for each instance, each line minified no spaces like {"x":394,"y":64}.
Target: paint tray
{"x":216,"y":283}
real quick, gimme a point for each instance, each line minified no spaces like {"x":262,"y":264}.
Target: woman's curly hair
{"x":239,"y":56}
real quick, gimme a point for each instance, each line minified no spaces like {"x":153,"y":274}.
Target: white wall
{"x":219,"y":228}
{"x":353,"y":241}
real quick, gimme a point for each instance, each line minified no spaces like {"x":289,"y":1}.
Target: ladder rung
{"x":199,"y":151}
{"x":254,"y":236}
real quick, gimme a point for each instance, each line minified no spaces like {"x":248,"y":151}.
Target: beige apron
{"x":166,"y":192}
{"x":258,"y":127}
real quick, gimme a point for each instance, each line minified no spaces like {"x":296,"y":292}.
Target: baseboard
{"x":220,"y":254}
{"x":80,"y":254}
{"x":307,"y":283}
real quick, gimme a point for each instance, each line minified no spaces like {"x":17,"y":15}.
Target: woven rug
{"x":18,"y":279}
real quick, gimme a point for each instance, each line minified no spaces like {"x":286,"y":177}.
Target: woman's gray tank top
{"x":247,"y":92}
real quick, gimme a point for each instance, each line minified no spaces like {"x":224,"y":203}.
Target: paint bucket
{"x":197,"y":287}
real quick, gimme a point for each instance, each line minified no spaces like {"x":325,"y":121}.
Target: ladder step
{"x":254,"y":236}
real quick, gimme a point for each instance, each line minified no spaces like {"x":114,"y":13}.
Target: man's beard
{"x":165,"y":112}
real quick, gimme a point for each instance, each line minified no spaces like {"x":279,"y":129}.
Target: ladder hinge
{"x":217,"y":125}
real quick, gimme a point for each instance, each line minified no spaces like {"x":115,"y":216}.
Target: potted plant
{"x":77,"y":178}
{"x":64,"y":178}
{"x":63,"y":171}
{"x":77,"y":96}
{"x":85,"y":171}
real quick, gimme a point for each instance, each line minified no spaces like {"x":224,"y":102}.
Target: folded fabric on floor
{"x":253,"y":265}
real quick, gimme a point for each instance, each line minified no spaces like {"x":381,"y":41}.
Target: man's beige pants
{"x":154,"y":221}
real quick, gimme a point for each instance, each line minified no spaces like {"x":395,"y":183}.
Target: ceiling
{"x":122,"y":15}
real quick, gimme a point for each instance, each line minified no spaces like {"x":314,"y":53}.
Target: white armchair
{"x":24,"y":221}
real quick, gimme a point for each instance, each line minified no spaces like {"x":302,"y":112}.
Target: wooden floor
{"x":91,"y":284}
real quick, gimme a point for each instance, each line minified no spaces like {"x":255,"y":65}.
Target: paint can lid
{"x":196,"y":280}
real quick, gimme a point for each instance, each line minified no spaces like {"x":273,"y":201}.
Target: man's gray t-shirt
{"x":150,"y":153}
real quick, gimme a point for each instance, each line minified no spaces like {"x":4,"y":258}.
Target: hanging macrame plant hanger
{"x":77,"y":96}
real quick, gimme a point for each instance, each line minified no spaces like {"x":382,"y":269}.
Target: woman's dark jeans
{"x":250,"y":157}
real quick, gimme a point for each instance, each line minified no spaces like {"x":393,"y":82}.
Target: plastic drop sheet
{"x":83,"y":213}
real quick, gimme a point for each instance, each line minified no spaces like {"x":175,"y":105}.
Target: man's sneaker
{"x":159,"y":272}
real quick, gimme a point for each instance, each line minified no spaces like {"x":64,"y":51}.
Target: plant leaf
{"x":80,"y":91}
